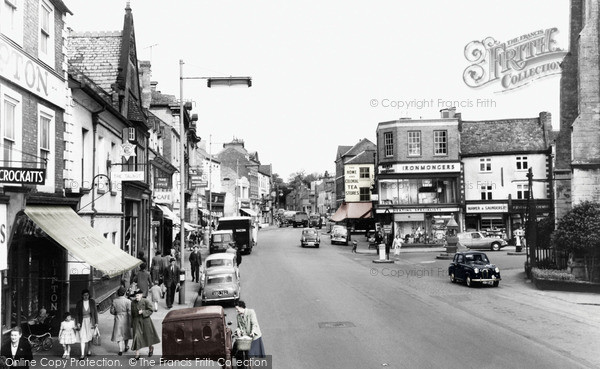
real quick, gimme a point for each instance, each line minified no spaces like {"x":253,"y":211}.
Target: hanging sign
{"x":127,"y":150}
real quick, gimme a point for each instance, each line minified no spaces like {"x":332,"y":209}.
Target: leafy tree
{"x":578,"y":232}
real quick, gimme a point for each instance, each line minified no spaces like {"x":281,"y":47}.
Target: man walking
{"x":195,"y":261}
{"x":171,"y":279}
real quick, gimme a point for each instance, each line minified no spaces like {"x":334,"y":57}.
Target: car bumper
{"x":220,"y":298}
{"x":483,"y":280}
{"x":310,"y":243}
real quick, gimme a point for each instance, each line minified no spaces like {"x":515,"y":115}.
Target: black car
{"x":473,"y":267}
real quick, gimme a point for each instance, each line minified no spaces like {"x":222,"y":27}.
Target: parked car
{"x":310,"y":237}
{"x":300,"y":219}
{"x":478,"y":241}
{"x":197,"y":333}
{"x":220,"y":241}
{"x":220,"y":284}
{"x":340,"y":234}
{"x":244,"y":232}
{"x":473,"y":267}
{"x":218,"y":260}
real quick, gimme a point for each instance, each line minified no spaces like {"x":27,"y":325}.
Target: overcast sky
{"x":326,"y":72}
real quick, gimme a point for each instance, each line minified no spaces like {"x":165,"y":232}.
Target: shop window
{"x":486,"y":192}
{"x":365,"y":194}
{"x":522,"y":163}
{"x":522,"y":191}
{"x":440,"y":142}
{"x":414,"y":143}
{"x":417,"y":191}
{"x":485,"y":165}
{"x":388,"y":142}
{"x":365,"y":172}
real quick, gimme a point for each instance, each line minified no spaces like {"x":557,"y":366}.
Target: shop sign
{"x":353,"y":182}
{"x":127,"y":176}
{"x":541,"y":207}
{"x":26,"y":72}
{"x":163,"y":197}
{"x":427,"y":168}
{"x":410,"y":217}
{"x":416,"y":210}
{"x":3,"y":237}
{"x":161,"y":182}
{"x":22,"y":175}
{"x":487,"y":208}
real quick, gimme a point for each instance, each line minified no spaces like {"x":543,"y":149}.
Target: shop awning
{"x":250,"y":212}
{"x":169,"y":214}
{"x":80,"y":239}
{"x":353,"y":210}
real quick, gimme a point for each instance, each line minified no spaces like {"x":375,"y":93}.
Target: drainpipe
{"x":95,"y":118}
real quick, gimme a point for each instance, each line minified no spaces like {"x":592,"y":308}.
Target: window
{"x":45,"y":122}
{"x":365,"y":194}
{"x":485,"y":165}
{"x":364,"y":173}
{"x":388,"y":142}
{"x":486,"y":192}
{"x":522,"y":191}
{"x":440,"y":142}
{"x":11,"y":20}
{"x":10,"y":116}
{"x":522,"y":163}
{"x":46,"y":45}
{"x":414,"y":143}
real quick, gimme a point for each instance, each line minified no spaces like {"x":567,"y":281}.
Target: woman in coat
{"x":87,"y":321}
{"x":121,"y":309}
{"x":17,"y":351}
{"x":143,"y":279}
{"x":248,"y":326}
{"x":144,"y":333}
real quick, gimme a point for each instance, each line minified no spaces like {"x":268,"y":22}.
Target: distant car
{"x":310,"y":237}
{"x":315,"y":221}
{"x":473,"y":267}
{"x":220,"y":284}
{"x":300,"y":219}
{"x":340,"y":234}
{"x":478,"y":241}
{"x":220,"y":241}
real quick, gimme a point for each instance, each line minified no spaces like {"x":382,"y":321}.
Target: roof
{"x":266,"y":170}
{"x":234,"y":218}
{"x":158,"y":98}
{"x":220,"y":255}
{"x":365,"y":157}
{"x":362,"y":145}
{"x":194,"y":313}
{"x":96,"y":54}
{"x":508,"y":135}
{"x":341,"y":151}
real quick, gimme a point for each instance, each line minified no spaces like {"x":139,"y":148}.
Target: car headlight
{"x":497,"y":270}
{"x":476,"y":270}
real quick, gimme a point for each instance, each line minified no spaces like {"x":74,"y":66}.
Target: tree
{"x":578,"y":232}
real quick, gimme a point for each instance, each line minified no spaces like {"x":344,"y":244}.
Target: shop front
{"x":489,"y":217}
{"x":517,"y":212}
{"x":53,"y":255}
{"x":420,"y":225}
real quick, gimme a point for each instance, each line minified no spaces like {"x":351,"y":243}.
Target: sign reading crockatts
{"x":127,"y":176}
{"x":22,"y":175}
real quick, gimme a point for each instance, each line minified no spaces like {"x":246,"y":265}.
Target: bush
{"x":552,"y":274}
{"x":579,"y":229}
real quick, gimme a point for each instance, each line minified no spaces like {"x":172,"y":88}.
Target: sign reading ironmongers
{"x":22,"y":175}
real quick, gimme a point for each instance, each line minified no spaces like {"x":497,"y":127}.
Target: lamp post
{"x":212,"y":81}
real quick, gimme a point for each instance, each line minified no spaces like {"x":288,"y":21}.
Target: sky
{"x":325,"y":73}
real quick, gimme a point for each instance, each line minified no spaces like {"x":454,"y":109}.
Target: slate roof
{"x":496,"y":136}
{"x":365,"y":157}
{"x":362,"y":145}
{"x":265,"y":169}
{"x":341,"y":151}
{"x":96,"y":54}
{"x":159,"y":98}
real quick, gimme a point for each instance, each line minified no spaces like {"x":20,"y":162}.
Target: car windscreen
{"x":221,"y":237}
{"x":309,"y":233}
{"x":218,"y":262}
{"x":220,"y":279}
{"x":476,"y":258}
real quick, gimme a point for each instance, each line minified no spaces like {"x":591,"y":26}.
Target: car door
{"x":459,"y":270}
{"x":478,"y":242}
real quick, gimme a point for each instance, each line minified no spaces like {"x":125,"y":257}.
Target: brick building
{"x":577,"y":164}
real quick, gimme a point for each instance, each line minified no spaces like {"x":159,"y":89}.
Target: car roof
{"x":220,"y":270}
{"x":472,"y":253}
{"x":220,"y":255}
{"x":222,"y":231}
{"x":234,"y":218}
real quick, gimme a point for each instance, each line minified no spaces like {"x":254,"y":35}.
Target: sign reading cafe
{"x":33,"y":176}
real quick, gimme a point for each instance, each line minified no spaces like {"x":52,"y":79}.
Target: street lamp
{"x":212,"y":81}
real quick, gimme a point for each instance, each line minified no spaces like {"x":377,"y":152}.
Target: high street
{"x":327,"y":307}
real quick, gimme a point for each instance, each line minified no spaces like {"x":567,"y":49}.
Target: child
{"x":155,"y":293}
{"x":67,"y":335}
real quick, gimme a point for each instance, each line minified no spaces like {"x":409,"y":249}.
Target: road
{"x":329,"y":308}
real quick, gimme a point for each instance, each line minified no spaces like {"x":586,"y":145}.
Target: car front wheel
{"x":452,"y":278}
{"x":469,"y":281}
{"x":495,"y":246}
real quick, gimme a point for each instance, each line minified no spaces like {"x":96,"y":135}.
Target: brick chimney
{"x":145,"y":73}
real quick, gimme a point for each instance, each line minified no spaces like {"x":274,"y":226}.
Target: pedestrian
{"x":144,"y":333}
{"x":155,"y":294}
{"x":17,"y":349}
{"x":397,"y":245}
{"x":67,"y":334}
{"x":143,"y":280}
{"x":195,"y":261}
{"x":87,"y":321}
{"x":248,"y":326}
{"x":121,"y":309}
{"x":135,"y":270}
{"x":171,"y":276}
{"x":156,"y":267}
{"x":238,"y":256}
